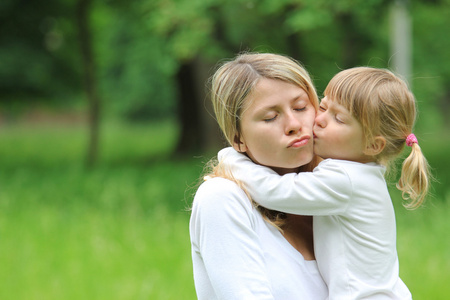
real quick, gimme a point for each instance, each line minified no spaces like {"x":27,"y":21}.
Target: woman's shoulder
{"x":220,"y":192}
{"x":221,"y":202}
{"x":215,"y":185}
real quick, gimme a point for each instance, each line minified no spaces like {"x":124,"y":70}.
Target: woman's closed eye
{"x":270,"y":118}
{"x":300,"y":108}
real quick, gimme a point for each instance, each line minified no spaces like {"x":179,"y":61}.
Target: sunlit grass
{"x":90,"y":254}
{"x":424,"y":249}
{"x":49,"y":146}
{"x":118,"y":231}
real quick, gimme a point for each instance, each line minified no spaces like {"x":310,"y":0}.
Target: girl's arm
{"x":225,"y":244}
{"x":325,"y":191}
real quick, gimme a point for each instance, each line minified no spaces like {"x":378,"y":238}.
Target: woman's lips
{"x":297,"y":143}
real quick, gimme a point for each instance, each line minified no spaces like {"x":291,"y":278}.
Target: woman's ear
{"x":239,"y":144}
{"x":376,"y":146}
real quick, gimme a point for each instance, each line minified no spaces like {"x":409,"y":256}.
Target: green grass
{"x":424,"y":250}
{"x":120,"y":230}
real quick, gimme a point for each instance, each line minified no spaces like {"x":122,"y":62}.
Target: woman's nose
{"x":293,"y":124}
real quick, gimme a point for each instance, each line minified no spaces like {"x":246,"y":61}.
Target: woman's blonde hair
{"x":385,"y":107}
{"x":231,"y":85}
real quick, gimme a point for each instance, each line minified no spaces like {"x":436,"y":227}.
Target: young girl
{"x":363,"y":123}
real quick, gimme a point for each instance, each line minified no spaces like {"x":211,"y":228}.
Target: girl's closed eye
{"x":339,"y":120}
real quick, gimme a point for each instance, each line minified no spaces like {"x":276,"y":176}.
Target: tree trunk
{"x":401,"y":38}
{"x":89,"y":76}
{"x":351,"y":43}
{"x":199,"y":132}
{"x":190,"y":139}
{"x":294,"y":48}
{"x":212,"y":136}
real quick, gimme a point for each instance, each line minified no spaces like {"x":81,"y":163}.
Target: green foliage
{"x":187,"y":25}
{"x":140,"y":46}
{"x":431,"y":74}
{"x":137,"y":77}
{"x":38,"y":56}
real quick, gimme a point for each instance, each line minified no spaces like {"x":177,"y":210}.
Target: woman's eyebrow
{"x":302,"y":94}
{"x":301,"y":97}
{"x":297,"y":98}
{"x":259,"y":111}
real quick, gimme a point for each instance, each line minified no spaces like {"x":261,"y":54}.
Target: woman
{"x":265,"y":105}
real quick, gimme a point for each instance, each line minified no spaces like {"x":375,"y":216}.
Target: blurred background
{"x":105,"y":126}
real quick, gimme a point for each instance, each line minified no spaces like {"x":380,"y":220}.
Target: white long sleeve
{"x":315,"y":193}
{"x":221,"y":230}
{"x":237,"y":255}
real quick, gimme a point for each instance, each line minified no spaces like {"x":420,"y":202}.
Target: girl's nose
{"x":320,"y":119}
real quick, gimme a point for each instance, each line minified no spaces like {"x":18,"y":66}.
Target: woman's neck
{"x":298,"y":231}
{"x":283,"y":171}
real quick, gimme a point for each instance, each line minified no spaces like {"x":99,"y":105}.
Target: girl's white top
{"x":354,"y":221}
{"x":237,"y":255}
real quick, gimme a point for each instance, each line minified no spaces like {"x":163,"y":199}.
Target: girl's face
{"x":338,"y":134}
{"x":276,"y":126}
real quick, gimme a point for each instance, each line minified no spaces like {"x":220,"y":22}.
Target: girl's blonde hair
{"x":385,"y":107}
{"x":231,"y":85}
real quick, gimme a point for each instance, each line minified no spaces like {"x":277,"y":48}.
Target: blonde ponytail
{"x":415,"y":178}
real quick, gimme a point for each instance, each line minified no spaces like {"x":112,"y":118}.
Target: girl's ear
{"x":376,"y":146}
{"x":239,"y":144}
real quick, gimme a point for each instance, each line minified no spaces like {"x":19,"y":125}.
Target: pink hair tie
{"x":411,"y":139}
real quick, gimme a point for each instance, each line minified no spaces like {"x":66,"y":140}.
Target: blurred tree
{"x":83,"y":9}
{"x":197,"y":33}
{"x":38,"y":61}
{"x":187,"y":29}
{"x":136,"y":74}
{"x":431,"y":61}
{"x":154,"y":56}
{"x":401,"y":38}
